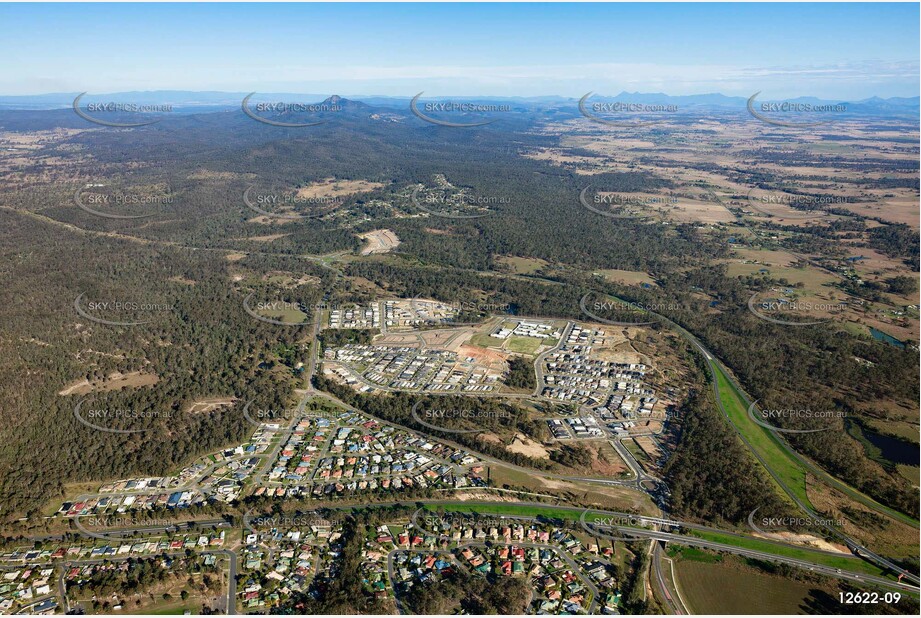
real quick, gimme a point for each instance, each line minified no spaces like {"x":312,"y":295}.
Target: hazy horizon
{"x":847,"y":51}
{"x":215,"y":94}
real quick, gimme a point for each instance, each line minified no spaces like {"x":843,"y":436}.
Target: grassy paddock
{"x":718,"y":588}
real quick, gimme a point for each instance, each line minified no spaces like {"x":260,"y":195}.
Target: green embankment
{"x":514,"y":510}
{"x":762,"y":441}
{"x":778,"y":456}
{"x":843,"y":562}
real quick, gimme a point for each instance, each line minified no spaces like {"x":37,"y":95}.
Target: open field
{"x":525,"y":446}
{"x":332,"y":187}
{"x":897,"y":206}
{"x":511,"y":509}
{"x":811,"y":278}
{"x":607,"y":461}
{"x":288,"y":316}
{"x":618,"y":346}
{"x":264,"y":237}
{"x":692,"y":211}
{"x":820,"y":286}
{"x":484,"y":340}
{"x":714,"y":143}
{"x":639,"y":454}
{"x":524,"y":345}
{"x":390,"y":304}
{"x":649,"y":447}
{"x":628,"y":277}
{"x":521,"y":265}
{"x":673,"y":208}
{"x":520,"y":510}
{"x":912,"y":473}
{"x":289,"y":279}
{"x":115,"y":381}
{"x":725,"y":588}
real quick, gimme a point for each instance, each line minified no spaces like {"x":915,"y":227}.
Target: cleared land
{"x":521,"y":265}
{"x":724,"y":588}
{"x":379,"y":241}
{"x":115,"y":381}
{"x":526,"y":446}
{"x":331,"y":187}
{"x":210,"y":404}
{"x":288,"y":316}
{"x":628,"y":277}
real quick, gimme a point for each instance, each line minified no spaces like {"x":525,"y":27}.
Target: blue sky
{"x":827,"y":50}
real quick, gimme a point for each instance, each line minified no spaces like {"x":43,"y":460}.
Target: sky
{"x":836,"y":51}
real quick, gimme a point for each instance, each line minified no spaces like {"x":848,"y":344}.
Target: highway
{"x":598,"y":530}
{"x":853,"y":545}
{"x":714,"y":368}
{"x":641,"y":477}
{"x":633,"y":530}
{"x":689,"y":541}
{"x":672,"y":603}
{"x":822,"y":474}
{"x":639,"y":518}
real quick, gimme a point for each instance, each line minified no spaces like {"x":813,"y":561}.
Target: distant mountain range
{"x":893,"y":104}
{"x":190,"y":101}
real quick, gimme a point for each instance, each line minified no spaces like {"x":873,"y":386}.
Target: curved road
{"x":714,"y":368}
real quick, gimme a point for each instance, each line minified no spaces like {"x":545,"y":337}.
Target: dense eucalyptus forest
{"x":204,"y":252}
